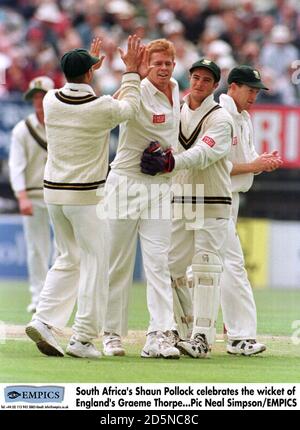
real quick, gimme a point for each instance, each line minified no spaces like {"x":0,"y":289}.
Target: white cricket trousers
{"x":38,"y":246}
{"x":80,"y":271}
{"x":237,"y":301}
{"x":135,"y":199}
{"x":185,"y":243}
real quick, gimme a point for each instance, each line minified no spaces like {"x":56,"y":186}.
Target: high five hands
{"x":135,"y":58}
{"x":95,"y":51}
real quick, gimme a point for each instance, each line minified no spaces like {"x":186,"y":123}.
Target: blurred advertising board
{"x":278,"y":128}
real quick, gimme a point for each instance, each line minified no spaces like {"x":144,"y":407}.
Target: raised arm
{"x":132,"y":58}
{"x":128,"y":98}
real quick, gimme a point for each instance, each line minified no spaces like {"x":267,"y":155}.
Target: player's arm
{"x":126,"y":106}
{"x":210,"y":148}
{"x":143,"y":69}
{"x":25,"y":204}
{"x":17,"y":163}
{"x":266,"y":162}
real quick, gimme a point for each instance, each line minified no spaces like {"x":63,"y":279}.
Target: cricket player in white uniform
{"x":206,"y":133}
{"x":27,"y":159}
{"x":238,"y":306}
{"x":157,"y":120}
{"x":77,"y":127}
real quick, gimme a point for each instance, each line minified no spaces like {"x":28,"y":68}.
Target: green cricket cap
{"x":77,"y":62}
{"x":246,"y":75}
{"x":205,"y":63}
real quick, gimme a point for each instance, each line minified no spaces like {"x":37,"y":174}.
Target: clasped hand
{"x":154,"y":160}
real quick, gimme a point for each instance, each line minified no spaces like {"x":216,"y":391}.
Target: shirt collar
{"x":153,"y":88}
{"x":79,"y":87}
{"x":205,"y":106}
{"x":228,"y":103}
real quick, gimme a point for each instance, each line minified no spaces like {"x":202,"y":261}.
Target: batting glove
{"x":154,"y":148}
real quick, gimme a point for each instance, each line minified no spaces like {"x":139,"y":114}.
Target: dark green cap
{"x":246,"y":75}
{"x":77,"y":62}
{"x":205,"y":63}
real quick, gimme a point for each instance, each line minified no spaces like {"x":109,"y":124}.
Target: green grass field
{"x":20,"y":361}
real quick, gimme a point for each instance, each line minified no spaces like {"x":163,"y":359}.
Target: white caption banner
{"x":172,"y":397}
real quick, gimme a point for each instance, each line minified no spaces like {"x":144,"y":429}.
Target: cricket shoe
{"x":245,"y":347}
{"x":82,"y":349}
{"x":173,"y":337}
{"x":112,"y":345}
{"x":159,"y":346}
{"x":42,"y":335}
{"x":197,"y":347}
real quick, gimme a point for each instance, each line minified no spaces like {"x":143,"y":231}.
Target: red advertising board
{"x":278,"y":128}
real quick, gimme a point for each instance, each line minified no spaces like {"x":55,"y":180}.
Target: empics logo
{"x":13,"y":395}
{"x":30,"y":394}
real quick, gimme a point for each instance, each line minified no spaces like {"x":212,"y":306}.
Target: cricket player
{"x":238,"y":306}
{"x":27,"y":159}
{"x":157,"y":120}
{"x":206,"y":132}
{"x":77,"y":127}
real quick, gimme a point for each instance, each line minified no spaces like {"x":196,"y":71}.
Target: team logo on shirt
{"x":209,"y":141}
{"x":159,"y":119}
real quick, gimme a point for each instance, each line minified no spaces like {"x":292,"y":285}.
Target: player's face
{"x":245,"y":96}
{"x":163,"y":68}
{"x":37,"y":101}
{"x":202,"y":84}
